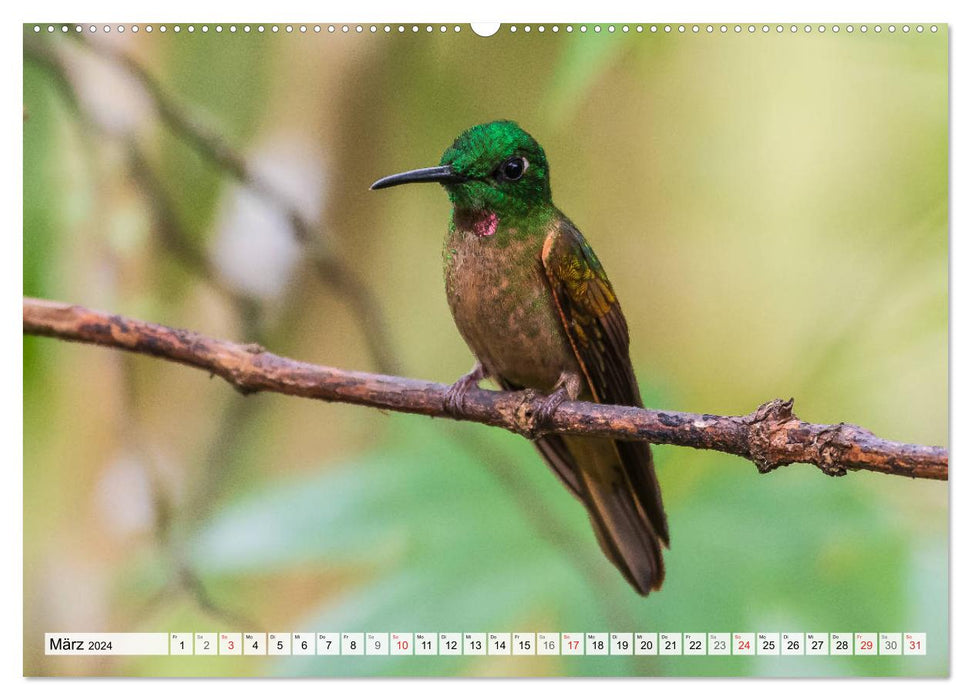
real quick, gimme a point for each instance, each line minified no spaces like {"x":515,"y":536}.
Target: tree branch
{"x":772,"y":436}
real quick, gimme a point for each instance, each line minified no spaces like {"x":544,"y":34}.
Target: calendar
{"x":478,"y":644}
{"x":537,"y":348}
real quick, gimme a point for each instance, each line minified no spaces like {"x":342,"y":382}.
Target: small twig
{"x":173,"y":237}
{"x":176,"y":241}
{"x":771,"y":436}
{"x":183,"y":579}
{"x":330,"y":269}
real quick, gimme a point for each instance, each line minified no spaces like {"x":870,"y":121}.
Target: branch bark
{"x":771,"y":436}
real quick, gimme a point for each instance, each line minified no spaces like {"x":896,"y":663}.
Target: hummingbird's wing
{"x":597,"y":331}
{"x":591,"y":315}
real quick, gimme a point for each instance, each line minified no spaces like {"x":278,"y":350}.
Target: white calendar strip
{"x":487,"y":644}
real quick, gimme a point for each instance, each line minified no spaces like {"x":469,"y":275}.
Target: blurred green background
{"x":771,"y":209}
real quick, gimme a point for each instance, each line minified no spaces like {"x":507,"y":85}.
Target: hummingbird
{"x":534,"y":305}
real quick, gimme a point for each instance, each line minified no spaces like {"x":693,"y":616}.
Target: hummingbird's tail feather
{"x":617,"y":484}
{"x":558,"y":456}
{"x":624,"y":529}
{"x":638,"y":463}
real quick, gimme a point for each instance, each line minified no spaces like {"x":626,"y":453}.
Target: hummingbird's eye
{"x":514,"y":168}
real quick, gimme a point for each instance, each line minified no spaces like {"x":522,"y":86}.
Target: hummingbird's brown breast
{"x":503,"y":306}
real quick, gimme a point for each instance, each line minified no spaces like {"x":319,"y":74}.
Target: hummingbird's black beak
{"x":442,"y":174}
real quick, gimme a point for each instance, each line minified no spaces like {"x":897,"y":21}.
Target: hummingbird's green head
{"x":494,"y":167}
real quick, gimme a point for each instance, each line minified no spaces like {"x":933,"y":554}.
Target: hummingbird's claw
{"x":543,"y":418}
{"x":567,"y":388}
{"x":455,"y":397}
{"x":454,"y":401}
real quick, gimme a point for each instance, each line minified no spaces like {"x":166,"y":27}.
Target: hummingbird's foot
{"x":543,"y":418}
{"x":455,"y":396}
{"x":567,"y":389}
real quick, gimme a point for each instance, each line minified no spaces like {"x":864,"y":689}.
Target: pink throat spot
{"x":485,"y":224}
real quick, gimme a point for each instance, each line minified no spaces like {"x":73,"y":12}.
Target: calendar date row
{"x":492,"y":644}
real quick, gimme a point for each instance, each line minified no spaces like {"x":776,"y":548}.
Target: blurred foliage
{"x":771,"y":209}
